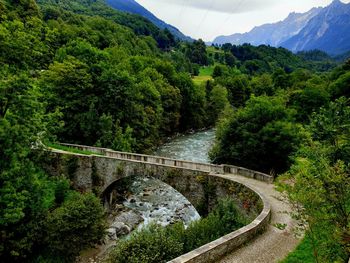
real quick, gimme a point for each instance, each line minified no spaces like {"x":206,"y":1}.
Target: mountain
{"x":272,"y":34}
{"x":343,"y":57}
{"x":328,"y":31}
{"x":133,"y":7}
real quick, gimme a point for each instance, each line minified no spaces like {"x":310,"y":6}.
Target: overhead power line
{"x":233,"y":12}
{"x":182,"y":10}
{"x":205,"y":16}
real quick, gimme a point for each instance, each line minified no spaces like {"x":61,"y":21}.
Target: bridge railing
{"x":206,"y":167}
{"x":230,"y":169}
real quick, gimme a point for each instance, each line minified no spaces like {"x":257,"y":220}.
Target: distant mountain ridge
{"x":327,"y":29}
{"x":271,"y":34}
{"x":133,"y":7}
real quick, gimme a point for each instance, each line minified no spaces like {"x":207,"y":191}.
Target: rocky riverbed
{"x":144,"y":201}
{"x":135,"y":203}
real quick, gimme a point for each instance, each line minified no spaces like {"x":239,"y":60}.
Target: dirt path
{"x":274,"y":244}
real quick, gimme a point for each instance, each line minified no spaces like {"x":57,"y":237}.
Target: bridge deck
{"x":274,"y":244}
{"x":207,"y":167}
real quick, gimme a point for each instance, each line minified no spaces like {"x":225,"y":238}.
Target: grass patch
{"x":206,"y":71}
{"x":70,"y":149}
{"x":198,"y":80}
{"x":205,"y":74}
{"x":280,"y":226}
{"x":302,"y":254}
{"x":214,"y":50}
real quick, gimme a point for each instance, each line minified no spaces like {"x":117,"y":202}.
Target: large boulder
{"x":129,"y":218}
{"x":121,"y":229}
{"x":111,"y":233}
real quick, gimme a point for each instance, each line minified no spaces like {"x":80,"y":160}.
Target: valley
{"x":115,"y":127}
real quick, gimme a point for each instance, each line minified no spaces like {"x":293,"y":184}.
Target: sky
{"x":208,"y":19}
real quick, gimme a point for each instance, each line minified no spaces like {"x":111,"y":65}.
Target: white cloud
{"x":225,"y":6}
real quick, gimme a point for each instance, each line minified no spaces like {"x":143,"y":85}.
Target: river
{"x":191,"y":147}
{"x":147,"y":200}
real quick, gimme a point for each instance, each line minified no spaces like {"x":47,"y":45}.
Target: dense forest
{"x":295,"y":125}
{"x":80,"y":72}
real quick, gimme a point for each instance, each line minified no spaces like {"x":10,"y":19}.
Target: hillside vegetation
{"x":80,"y":72}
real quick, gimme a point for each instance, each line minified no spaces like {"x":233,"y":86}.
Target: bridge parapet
{"x":205,"y":167}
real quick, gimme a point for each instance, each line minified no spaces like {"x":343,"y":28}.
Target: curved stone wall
{"x":217,"y":249}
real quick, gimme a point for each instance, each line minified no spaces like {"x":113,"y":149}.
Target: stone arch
{"x":187,"y":182}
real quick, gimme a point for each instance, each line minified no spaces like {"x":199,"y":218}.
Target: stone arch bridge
{"x":202,"y":184}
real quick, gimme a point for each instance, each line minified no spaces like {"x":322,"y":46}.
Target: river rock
{"x":111,"y":233}
{"x":129,"y":218}
{"x":119,"y":207}
{"x":121,"y":229}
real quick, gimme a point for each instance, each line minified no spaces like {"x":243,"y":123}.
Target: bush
{"x":224,"y":219}
{"x":74,"y":226}
{"x":202,"y":232}
{"x":152,"y":244}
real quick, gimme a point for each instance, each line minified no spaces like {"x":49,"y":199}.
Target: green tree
{"x":341,"y":87}
{"x":255,"y":66}
{"x":151,"y":245}
{"x":64,"y":85}
{"x":281,"y":79}
{"x":219,"y":71}
{"x":238,"y":87}
{"x":25,"y":192}
{"x":308,"y":100}
{"x":217,"y":102}
{"x":21,"y":43}
{"x":193,"y":103}
{"x":197,"y":52}
{"x":331,"y":126}
{"x":111,"y":135}
{"x":318,"y":184}
{"x":76,"y":225}
{"x":24,"y":9}
{"x":260,"y":136}
{"x":230,"y":59}
{"x":320,"y":191}
{"x":262,"y":85}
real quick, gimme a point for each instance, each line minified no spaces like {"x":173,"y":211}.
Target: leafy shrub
{"x":74,"y":226}
{"x":152,"y":244}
